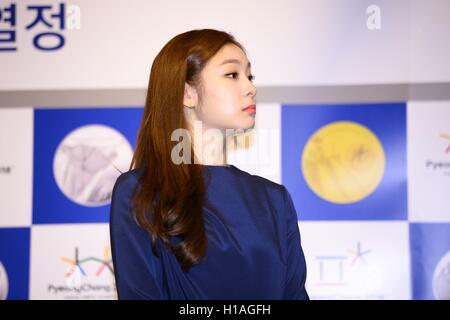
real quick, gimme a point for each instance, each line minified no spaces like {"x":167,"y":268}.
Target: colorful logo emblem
{"x":75,"y":270}
{"x":446,"y":137}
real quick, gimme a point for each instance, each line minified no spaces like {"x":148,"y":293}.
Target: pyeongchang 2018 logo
{"x":87,"y":277}
{"x":3,"y":283}
{"x":441,"y":166}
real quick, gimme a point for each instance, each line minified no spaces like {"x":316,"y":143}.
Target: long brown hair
{"x":169,"y":199}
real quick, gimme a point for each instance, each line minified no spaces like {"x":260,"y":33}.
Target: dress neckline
{"x":216,"y":166}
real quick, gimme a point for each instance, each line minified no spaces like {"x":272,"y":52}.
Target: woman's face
{"x":227,"y":90}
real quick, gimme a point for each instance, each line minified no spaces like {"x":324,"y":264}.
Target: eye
{"x":233,"y":73}
{"x":250,"y":77}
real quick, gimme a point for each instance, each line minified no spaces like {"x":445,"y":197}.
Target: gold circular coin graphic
{"x":343,"y":162}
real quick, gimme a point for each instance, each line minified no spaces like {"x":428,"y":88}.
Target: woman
{"x":201,"y":230}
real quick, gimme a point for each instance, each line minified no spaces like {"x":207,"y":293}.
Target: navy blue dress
{"x":254,"y":249}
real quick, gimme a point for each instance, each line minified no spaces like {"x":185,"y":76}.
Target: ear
{"x":190,"y":96}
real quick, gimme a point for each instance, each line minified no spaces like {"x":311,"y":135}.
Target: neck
{"x":209,"y":146}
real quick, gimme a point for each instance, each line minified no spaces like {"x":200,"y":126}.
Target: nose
{"x":251,"y":90}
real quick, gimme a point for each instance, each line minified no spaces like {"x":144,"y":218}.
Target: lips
{"x":250,"y":109}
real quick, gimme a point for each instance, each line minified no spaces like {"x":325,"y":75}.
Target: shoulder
{"x":126,"y":182}
{"x":271,"y":195}
{"x":278,"y":198}
{"x":122,"y":198}
{"x":274,"y":190}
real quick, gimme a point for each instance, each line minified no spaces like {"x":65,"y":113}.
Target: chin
{"x":251,"y":124}
{"x":243,"y":124}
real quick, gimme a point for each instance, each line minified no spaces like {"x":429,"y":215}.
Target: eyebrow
{"x":235,"y":61}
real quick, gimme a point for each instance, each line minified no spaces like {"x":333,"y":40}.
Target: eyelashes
{"x":250,"y":77}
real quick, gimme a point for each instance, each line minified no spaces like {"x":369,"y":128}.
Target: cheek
{"x":221,"y":108}
{"x":222,"y":102}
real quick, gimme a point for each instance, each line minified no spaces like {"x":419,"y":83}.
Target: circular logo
{"x":343,"y":162}
{"x":88,"y":161}
{"x":3,"y":283}
{"x":441,"y":278}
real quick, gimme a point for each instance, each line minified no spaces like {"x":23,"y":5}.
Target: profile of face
{"x":228,"y":89}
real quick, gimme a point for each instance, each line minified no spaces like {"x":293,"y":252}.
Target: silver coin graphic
{"x":3,"y":283}
{"x":441,"y":278}
{"x":88,"y":161}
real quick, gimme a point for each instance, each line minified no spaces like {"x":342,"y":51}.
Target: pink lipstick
{"x":251,"y":109}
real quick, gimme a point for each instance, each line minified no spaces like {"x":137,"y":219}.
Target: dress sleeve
{"x":135,"y":267}
{"x":294,"y":287}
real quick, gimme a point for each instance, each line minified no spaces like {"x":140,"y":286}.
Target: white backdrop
{"x":53,"y":248}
